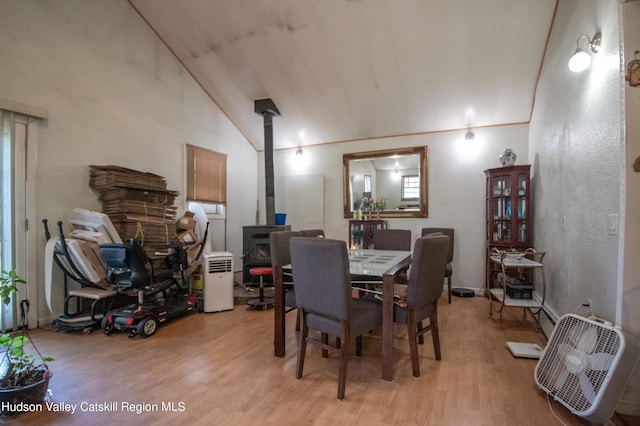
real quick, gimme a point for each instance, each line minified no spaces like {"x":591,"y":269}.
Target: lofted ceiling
{"x":341,"y":70}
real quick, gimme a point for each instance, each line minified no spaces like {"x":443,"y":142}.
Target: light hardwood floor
{"x":220,"y":369}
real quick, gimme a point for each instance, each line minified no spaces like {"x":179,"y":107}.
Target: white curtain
{"x":14,"y":129}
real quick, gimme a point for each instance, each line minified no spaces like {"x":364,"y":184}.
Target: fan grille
{"x":574,"y":341}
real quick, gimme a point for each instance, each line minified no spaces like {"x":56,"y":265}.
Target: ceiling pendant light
{"x":469,"y":135}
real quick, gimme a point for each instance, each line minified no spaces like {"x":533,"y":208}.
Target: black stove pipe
{"x":267,"y":109}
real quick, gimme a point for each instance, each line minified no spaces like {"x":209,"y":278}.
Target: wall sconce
{"x":469,"y":136}
{"x":299,"y":151}
{"x":581,"y":60}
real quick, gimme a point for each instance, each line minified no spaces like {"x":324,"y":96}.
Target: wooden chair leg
{"x":449,"y":287}
{"x":344,"y":358}
{"x":302,"y":346}
{"x":298,"y":321}
{"x":412,"y":326}
{"x":421,"y":336}
{"x":435,"y":334}
{"x":325,"y":340}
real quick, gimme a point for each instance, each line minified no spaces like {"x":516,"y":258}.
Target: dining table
{"x":369,"y":266}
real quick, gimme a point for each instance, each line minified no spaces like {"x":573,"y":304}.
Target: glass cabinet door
{"x":502,"y":208}
{"x":523,"y":201}
{"x":508,"y":222}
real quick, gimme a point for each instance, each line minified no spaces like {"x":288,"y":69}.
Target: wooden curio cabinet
{"x":508,"y":210}
{"x":361,"y":232}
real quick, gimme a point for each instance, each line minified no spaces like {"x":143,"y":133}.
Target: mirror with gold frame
{"x":397,"y":182}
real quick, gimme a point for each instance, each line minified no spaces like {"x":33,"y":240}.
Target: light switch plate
{"x":613,"y":224}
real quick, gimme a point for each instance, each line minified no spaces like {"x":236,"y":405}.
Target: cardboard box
{"x":187,"y":222}
{"x":83,"y":234}
{"x":187,"y":237}
{"x":91,"y":251}
{"x":80,"y":260}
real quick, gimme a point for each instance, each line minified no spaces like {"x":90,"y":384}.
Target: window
{"x":206,"y":175}
{"x":410,"y":187}
{"x":367,"y":183}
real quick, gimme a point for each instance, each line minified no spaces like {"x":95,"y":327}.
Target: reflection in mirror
{"x":389,"y":183}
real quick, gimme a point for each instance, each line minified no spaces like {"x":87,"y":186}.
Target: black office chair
{"x":449,"y":270}
{"x":322,"y":284}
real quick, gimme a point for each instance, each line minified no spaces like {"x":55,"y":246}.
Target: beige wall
{"x":115,"y":95}
{"x":456,"y":186}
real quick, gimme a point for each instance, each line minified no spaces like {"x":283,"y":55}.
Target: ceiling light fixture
{"x":469,"y":135}
{"x":299,"y":151}
{"x":581,"y":60}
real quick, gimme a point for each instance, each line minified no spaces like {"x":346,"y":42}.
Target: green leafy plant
{"x":19,"y":368}
{"x":8,"y":281}
{"x":23,"y":369}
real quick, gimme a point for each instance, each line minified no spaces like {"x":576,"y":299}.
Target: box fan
{"x":586,"y":365}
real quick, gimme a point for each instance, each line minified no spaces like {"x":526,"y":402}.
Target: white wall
{"x":115,"y":95}
{"x":577,"y":144}
{"x":629,"y":316}
{"x":456,"y":185}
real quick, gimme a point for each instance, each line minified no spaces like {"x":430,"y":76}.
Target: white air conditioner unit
{"x":218,"y":281}
{"x":586,"y":365}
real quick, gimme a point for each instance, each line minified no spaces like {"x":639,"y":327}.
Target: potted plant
{"x":24,"y":376}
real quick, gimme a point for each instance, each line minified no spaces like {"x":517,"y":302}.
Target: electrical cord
{"x":554,"y":413}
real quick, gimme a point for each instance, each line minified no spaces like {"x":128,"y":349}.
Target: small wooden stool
{"x":260,"y":302}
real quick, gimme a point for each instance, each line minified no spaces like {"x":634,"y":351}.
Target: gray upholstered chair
{"x":280,"y":255}
{"x":322,"y":285}
{"x":312,"y":233}
{"x":423,"y":291}
{"x":449,"y":271}
{"x":392,"y":239}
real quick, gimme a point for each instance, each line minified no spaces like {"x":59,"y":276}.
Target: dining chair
{"x":322,"y":284}
{"x":312,"y":232}
{"x":281,"y":256}
{"x":449,"y":270}
{"x":423,"y":291}
{"x":392,"y":239}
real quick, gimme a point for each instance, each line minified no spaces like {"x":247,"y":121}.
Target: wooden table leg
{"x":279,"y":312}
{"x":387,"y":327}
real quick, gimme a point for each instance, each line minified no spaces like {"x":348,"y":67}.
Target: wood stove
{"x":256,"y":249}
{"x":255,"y":238}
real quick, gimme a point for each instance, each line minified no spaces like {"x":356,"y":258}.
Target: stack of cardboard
{"x":138,"y":203}
{"x":185,"y":228}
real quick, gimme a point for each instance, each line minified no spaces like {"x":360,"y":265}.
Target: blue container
{"x":281,"y":218}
